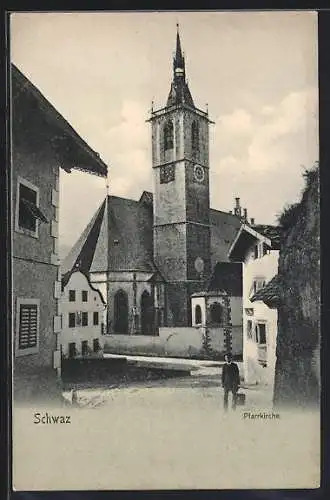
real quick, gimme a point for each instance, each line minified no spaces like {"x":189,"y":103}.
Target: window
{"x":260,"y":333}
{"x":95,"y":318}
{"x":72,"y":320}
{"x":72,"y":350}
{"x":249,"y":329}
{"x":168,"y":135}
{"x":216,"y":313}
{"x":198,"y":315}
{"x":260,"y":250}
{"x":27,"y":208}
{"x":257,"y":285}
{"x":84,"y":347}
{"x":96,"y":345}
{"x":84,"y":296}
{"x":84,"y":319}
{"x":27,"y":339}
{"x":256,"y":251}
{"x":195,"y":137}
{"x":72,"y":295}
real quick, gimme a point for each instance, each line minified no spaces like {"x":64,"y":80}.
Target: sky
{"x":256,"y":71}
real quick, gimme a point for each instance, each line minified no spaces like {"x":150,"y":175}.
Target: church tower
{"x":181,"y":225}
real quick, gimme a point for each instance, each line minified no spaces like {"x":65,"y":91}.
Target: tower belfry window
{"x":195,"y":137}
{"x":168,"y":135}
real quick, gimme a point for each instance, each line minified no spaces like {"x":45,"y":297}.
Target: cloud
{"x":265,"y":169}
{"x":238,"y":123}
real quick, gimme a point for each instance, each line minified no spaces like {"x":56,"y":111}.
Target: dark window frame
{"x":72,"y":320}
{"x":84,"y":318}
{"x":28,"y":210}
{"x":95,"y":318}
{"x":198,"y":314}
{"x":168,"y":135}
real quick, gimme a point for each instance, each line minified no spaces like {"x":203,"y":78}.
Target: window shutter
{"x":28,"y":326}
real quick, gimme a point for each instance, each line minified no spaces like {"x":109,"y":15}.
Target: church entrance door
{"x":147,"y":314}
{"x":121,"y":313}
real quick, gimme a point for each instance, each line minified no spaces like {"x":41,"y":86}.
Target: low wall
{"x":185,"y":342}
{"x":134,"y":344}
{"x":172,"y":341}
{"x":182,"y":341}
{"x":218,"y":340}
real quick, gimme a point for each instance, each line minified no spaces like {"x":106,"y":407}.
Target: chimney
{"x":245,"y":214}
{"x":237,"y":209}
{"x":252,"y":222}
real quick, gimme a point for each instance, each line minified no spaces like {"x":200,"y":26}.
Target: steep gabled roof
{"x":73,"y":152}
{"x":248,"y":235}
{"x":119,"y":237}
{"x":224,"y":228}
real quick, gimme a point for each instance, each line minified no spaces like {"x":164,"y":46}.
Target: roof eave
{"x":257,"y":236}
{"x":96,"y":165}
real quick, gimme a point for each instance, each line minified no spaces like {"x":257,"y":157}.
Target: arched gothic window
{"x":195,"y":137}
{"x":168,"y":135}
{"x":198,"y":315}
{"x":216,"y":312}
{"x":121,"y":312}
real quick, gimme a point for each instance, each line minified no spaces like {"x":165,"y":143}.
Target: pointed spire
{"x":179,"y":93}
{"x":179,"y":58}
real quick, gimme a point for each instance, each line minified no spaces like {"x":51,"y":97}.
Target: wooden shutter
{"x":28,"y":326}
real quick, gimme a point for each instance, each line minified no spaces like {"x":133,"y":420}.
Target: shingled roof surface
{"x":118,"y":238}
{"x":271,"y":293}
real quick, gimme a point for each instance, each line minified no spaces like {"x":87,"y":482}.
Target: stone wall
{"x":297,"y":378}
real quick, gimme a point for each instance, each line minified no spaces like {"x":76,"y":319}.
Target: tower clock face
{"x":199,"y":173}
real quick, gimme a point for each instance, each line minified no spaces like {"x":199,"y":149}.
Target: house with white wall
{"x":83,"y":312}
{"x":257,"y":248}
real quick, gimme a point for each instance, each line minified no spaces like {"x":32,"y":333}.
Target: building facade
{"x":258,"y":249}
{"x":82,"y":310}
{"x":42,"y":141}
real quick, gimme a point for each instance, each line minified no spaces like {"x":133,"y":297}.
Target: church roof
{"x":224,"y":228}
{"x":119,"y":237}
{"x":227,"y":276}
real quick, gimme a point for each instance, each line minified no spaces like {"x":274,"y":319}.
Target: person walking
{"x":230,"y":381}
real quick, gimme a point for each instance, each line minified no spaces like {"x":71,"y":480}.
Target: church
{"x":148,"y":257}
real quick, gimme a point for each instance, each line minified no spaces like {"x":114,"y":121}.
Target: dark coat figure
{"x":230,"y":381}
